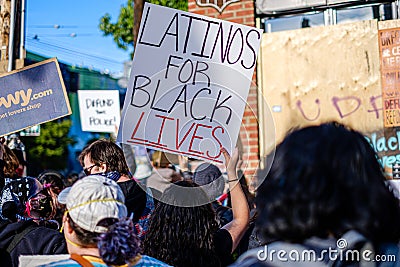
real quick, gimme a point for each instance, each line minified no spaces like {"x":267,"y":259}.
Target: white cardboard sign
{"x":99,"y":110}
{"x":189,"y":83}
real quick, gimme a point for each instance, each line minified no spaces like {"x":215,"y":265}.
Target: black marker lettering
{"x":188,"y":30}
{"x":230,"y":46}
{"x":191,"y":71}
{"x":220,"y":34}
{"x":183,"y":91}
{"x":173,"y":21}
{"x":218,"y":106}
{"x":197,"y":70}
{"x":191,"y":104}
{"x":253,"y":51}
{"x":154,"y":97}
{"x":170,"y":64}
{"x":135,"y":87}
{"x":205,"y":39}
{"x":143,"y":27}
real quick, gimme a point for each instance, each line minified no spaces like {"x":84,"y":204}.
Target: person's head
{"x":103,"y":156}
{"x":96,"y":217}
{"x":11,"y":163}
{"x":325,"y":180}
{"x":25,"y":199}
{"x":17,"y":147}
{"x":71,"y":179}
{"x":175,"y":229}
{"x":54,"y":179}
{"x":210,"y":178}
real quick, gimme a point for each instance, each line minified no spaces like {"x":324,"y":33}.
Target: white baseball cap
{"x":92,"y":199}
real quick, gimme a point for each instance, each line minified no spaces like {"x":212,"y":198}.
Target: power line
{"x":55,"y":26}
{"x":38,"y":43}
{"x":73,"y":35}
{"x":62,"y":50}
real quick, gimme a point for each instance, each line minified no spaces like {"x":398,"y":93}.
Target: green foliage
{"x":49,"y":150}
{"x":122,"y":30}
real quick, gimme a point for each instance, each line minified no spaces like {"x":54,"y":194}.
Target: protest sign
{"x":189,"y":83}
{"x":32,"y":95}
{"x":389,"y":51}
{"x":99,"y":110}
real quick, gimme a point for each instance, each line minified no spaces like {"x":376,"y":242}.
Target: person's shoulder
{"x":222,"y":233}
{"x":45,"y":241}
{"x":150,"y":261}
{"x":128,"y":184}
{"x":45,"y":231}
{"x":132,"y":188}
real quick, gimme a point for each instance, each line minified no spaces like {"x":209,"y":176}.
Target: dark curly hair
{"x":182,"y":236}
{"x":106,"y":151}
{"x":326,"y":180}
{"x":118,"y":246}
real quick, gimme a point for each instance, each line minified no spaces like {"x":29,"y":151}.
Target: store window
{"x":354,"y":14}
{"x":294,"y":22}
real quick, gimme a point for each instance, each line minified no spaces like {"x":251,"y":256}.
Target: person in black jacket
{"x":20,"y":233}
{"x":107,"y":158}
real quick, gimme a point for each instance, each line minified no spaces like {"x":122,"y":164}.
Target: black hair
{"x":106,"y":151}
{"x":325,"y":180}
{"x":55,"y":178}
{"x":175,"y":231}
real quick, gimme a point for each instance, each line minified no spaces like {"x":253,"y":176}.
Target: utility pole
{"x":12,"y":19}
{"x":5,"y":15}
{"x":137,"y":16}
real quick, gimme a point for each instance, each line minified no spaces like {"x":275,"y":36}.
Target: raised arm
{"x":240,"y":208}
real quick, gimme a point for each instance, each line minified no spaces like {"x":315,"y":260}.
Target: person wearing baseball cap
{"x":96,"y":228}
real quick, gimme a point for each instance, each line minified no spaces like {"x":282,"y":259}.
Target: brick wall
{"x":241,"y":12}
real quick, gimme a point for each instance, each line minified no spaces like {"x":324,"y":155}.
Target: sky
{"x":79,"y":18}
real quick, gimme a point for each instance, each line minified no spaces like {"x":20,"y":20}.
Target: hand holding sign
{"x":231,"y":162}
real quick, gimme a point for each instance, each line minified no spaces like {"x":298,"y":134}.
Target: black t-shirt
{"x":135,"y":198}
{"x":223,"y":246}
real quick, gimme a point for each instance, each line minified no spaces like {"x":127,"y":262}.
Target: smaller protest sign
{"x":99,"y":110}
{"x":389,"y":50}
{"x":31,"y":96}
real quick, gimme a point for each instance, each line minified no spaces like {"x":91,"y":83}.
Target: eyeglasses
{"x":88,"y":170}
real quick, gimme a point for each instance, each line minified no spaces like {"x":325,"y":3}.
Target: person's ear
{"x":67,"y":228}
{"x":103,"y":167}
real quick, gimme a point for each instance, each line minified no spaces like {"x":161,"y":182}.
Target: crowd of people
{"x":322,"y":200}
